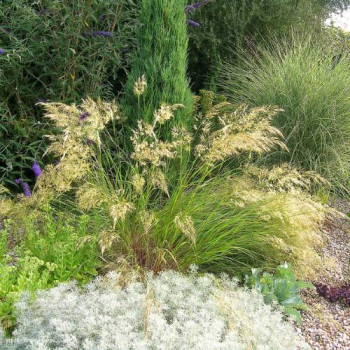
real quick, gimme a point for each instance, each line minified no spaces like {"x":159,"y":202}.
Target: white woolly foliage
{"x":170,"y":311}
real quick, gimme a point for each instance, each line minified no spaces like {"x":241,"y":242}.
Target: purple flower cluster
{"x":192,"y":23}
{"x":36,"y":170}
{"x":334,"y":294}
{"x":193,"y":7}
{"x":25,"y":187}
{"x":190,"y":8}
{"x":2,"y":51}
{"x":84,"y":116}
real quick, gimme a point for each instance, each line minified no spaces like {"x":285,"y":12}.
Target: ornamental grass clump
{"x":311,"y":85}
{"x":180,"y":200}
{"x":168,"y":311}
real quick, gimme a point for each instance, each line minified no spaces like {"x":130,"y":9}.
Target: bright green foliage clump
{"x":162,"y":58}
{"x":312,"y":86}
{"x":281,"y":287}
{"x":52,"y":53}
{"x":52,"y":252}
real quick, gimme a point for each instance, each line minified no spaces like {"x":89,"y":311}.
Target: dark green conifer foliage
{"x":162,"y":58}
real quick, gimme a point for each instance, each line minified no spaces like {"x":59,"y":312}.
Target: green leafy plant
{"x":56,"y":50}
{"x":51,"y":252}
{"x":281,"y":287}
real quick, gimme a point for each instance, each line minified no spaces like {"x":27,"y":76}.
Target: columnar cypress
{"x":161,"y":57}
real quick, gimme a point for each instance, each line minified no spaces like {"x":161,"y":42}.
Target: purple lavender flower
{"x":36,"y":170}
{"x":84,"y":116}
{"x":2,"y":51}
{"x":100,"y":33}
{"x":25,"y":187}
{"x":190,"y":8}
{"x":192,"y":23}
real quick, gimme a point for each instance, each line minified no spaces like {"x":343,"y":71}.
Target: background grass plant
{"x":312,"y":88}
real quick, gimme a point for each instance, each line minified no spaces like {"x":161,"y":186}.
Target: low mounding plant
{"x":281,"y":288}
{"x":334,"y":294}
{"x":313,"y":89}
{"x":175,"y":202}
{"x":168,"y":311}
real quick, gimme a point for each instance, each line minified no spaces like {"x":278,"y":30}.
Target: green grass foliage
{"x":227,"y":26}
{"x":312,"y":86}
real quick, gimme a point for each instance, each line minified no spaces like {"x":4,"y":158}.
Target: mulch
{"x":326,"y":325}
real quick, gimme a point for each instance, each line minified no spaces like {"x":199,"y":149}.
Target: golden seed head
{"x":140,"y":86}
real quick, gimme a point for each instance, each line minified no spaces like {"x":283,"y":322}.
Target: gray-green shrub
{"x":167,"y":311}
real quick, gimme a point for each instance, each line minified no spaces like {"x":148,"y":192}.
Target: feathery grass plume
{"x":119,"y":211}
{"x":140,"y":86}
{"x":71,"y":147}
{"x":285,"y":178}
{"x":138,"y":182}
{"x":236,"y":131}
{"x":186,"y":226}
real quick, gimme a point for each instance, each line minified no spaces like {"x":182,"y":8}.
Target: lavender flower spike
{"x":192,"y":23}
{"x":101,"y":33}
{"x":190,"y":8}
{"x":25,"y":187}
{"x":36,"y":169}
{"x":2,"y":51}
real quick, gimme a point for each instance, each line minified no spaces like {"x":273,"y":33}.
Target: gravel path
{"x":326,"y":325}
